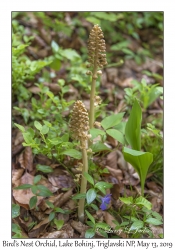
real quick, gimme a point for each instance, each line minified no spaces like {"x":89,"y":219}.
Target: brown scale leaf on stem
{"x":96,"y":47}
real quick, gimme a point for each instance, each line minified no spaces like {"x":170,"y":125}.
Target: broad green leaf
{"x":95,"y":132}
{"x":140,"y":161}
{"x":36,"y":179}
{"x":102,"y":225}
{"x":94,"y":207}
{"x":27,"y":138}
{"x":102,"y":186}
{"x":137,"y":225}
{"x":79,"y":196}
{"x":32,"y":202}
{"x":56,"y":64}
{"x":103,"y":233}
{"x":73,"y":153}
{"x":44,"y":169}
{"x":121,"y":127}
{"x":127,"y":200}
{"x":90,"y":195}
{"x":24,"y":186}
{"x":37,"y":125}
{"x":99,"y":146}
{"x":133,"y":127}
{"x":154,"y":221}
{"x":34,"y":189}
{"x":20,"y":127}
{"x":89,"y":178}
{"x":59,"y":210}
{"x":89,"y":233}
{"x":45,"y":192}
{"x":15,"y":210}
{"x":90,"y":217}
{"x":54,"y":46}
{"x":93,"y":20}
{"x":156,"y":215}
{"x":142,"y":201}
{"x":50,"y":204}
{"x":51,"y":216}
{"x":70,"y":54}
{"x":112,"y":17}
{"x":15,"y":228}
{"x":44,"y":130}
{"x":116,"y":135}
{"x":58,"y":223}
{"x":111,"y":120}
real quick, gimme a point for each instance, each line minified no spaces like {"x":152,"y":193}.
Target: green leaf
{"x":89,"y":233}
{"x":142,"y":201}
{"x":140,"y":161}
{"x":32,"y":202}
{"x":51,"y":216}
{"x":44,"y":130}
{"x":15,"y":210}
{"x":59,"y":210}
{"x":45,"y":192}
{"x":137,"y":225}
{"x":70,"y":54}
{"x":93,"y":20}
{"x":73,"y":153}
{"x":27,"y":138}
{"x":102,"y":225}
{"x":127,"y":200}
{"x":58,"y":223}
{"x":90,"y":195}
{"x":36,"y":179}
{"x":94,"y":207}
{"x":54,"y":46}
{"x":56,"y":64}
{"x":154,"y":221}
{"x":112,"y":120}
{"x":88,"y":178}
{"x":15,"y":228}
{"x":24,"y":186}
{"x":79,"y":196}
{"x":133,"y":127}
{"x":90,"y":217}
{"x":50,"y":204}
{"x":116,"y":135}
{"x":44,"y":168}
{"x":38,"y":125}
{"x":21,"y":128}
{"x":95,"y":132}
{"x":34,"y":189}
{"x":99,"y":146}
{"x":102,"y":186}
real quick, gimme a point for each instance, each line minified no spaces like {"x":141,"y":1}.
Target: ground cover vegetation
{"x":87,"y":124}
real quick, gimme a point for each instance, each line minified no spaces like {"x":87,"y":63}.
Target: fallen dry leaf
{"x":117,"y":173}
{"x":23,"y":196}
{"x":60,"y":179}
{"x":26,"y":159}
{"x":79,"y":227}
{"x":153,"y":186}
{"x":16,"y":175}
{"x":38,"y":229}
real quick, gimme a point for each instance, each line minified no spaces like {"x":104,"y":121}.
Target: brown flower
{"x":79,"y":123}
{"x":97,"y":47}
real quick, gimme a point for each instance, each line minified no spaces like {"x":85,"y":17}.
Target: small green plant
{"x":144,"y":93}
{"x":136,"y":215}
